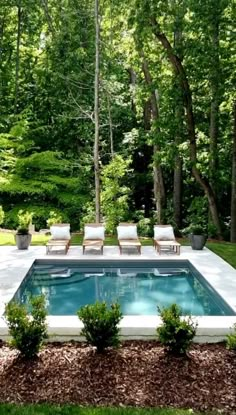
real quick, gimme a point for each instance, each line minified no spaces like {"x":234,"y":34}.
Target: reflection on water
{"x":138,"y":290}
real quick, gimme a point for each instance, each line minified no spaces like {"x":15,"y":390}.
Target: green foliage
{"x":46,"y":133}
{"x":211,"y":230}
{"x":176,"y":333}
{"x":28,"y":331}
{"x":54,"y":217}
{"x":145,"y":227}
{"x":40,"y":215}
{"x":231,"y":339}
{"x":115,"y":194}
{"x":100,"y":325}
{"x":24,"y":220}
{"x":2,"y":215}
{"x":88,"y":215}
{"x":198,"y":213}
{"x":195,"y":229}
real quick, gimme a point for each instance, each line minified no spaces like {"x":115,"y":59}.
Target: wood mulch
{"x":137,"y":374}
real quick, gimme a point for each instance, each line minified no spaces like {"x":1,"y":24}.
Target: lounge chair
{"x":128,"y":237}
{"x":94,"y":235}
{"x":60,"y":240}
{"x":164,"y":238}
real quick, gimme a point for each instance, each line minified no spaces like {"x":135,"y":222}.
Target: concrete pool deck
{"x":14,"y":265}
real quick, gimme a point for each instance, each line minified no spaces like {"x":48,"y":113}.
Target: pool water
{"x":138,"y":286}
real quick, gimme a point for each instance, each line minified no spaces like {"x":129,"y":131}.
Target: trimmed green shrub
{"x":176,"y":333}
{"x":231,"y":340}
{"x":28,"y":331}
{"x":100,"y":325}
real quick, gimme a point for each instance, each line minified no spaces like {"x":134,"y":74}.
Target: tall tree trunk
{"x":158,"y":182}
{"x":2,"y":27}
{"x":233,"y":191}
{"x":96,"y":114}
{"x":178,"y":134}
{"x":215,"y":73}
{"x":110,"y":126}
{"x":180,"y":71}
{"x":2,"y":30}
{"x":132,"y":81}
{"x":47,"y":15}
{"x":177,"y":191}
{"x":19,"y":15}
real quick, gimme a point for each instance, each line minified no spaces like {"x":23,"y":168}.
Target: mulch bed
{"x":138,"y":374}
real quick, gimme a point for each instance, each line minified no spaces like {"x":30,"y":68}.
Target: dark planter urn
{"x":23,"y":241}
{"x":197,"y":241}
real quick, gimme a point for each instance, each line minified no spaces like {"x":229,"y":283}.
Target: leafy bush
{"x":24,"y":220}
{"x":2,"y":215}
{"x":231,"y":340}
{"x":176,"y":334}
{"x":28,"y":331}
{"x":40,"y":214}
{"x":54,"y":217}
{"x":145,"y":227}
{"x":195,"y":229}
{"x":211,"y":230}
{"x":115,"y":193}
{"x":197,"y":217}
{"x":88,"y":215}
{"x":100,"y":325}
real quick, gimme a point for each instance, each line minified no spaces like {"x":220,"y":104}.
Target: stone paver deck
{"x":14,"y":265}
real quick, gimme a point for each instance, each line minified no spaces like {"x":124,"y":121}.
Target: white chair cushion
{"x":97,"y":232}
{"x":60,"y":232}
{"x":127,"y":232}
{"x":164,"y":234}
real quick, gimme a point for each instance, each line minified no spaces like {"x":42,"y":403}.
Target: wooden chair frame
{"x":93,"y":243}
{"x":125,"y":243}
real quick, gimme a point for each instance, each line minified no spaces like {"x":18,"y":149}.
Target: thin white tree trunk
{"x":110,"y":125}
{"x":96,"y":114}
{"x":19,"y":14}
{"x":233,"y":191}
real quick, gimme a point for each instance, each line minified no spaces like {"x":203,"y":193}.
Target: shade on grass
{"x":8,"y":409}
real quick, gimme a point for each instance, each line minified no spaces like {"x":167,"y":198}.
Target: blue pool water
{"x":138,"y":286}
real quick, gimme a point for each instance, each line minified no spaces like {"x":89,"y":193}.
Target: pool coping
{"x":15,"y":264}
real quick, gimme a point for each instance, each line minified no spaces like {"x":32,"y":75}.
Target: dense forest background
{"x":167,"y":112}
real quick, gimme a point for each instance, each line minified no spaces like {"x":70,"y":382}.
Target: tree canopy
{"x":167,"y":119}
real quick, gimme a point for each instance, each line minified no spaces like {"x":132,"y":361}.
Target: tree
{"x":180,"y":71}
{"x":233,"y":191}
{"x":96,"y":114}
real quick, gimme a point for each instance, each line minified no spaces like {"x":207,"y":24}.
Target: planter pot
{"x":197,"y":241}
{"x":23,"y":241}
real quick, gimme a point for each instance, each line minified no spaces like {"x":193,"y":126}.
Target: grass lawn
{"x":8,"y":409}
{"x":226,"y":250}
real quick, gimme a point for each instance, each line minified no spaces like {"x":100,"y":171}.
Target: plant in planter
{"x":197,"y":235}
{"x":22,"y":236}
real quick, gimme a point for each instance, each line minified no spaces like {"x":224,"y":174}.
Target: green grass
{"x":225,"y":250}
{"x":9,"y":409}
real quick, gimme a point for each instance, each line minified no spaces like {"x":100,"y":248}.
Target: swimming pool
{"x":139,"y":286}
